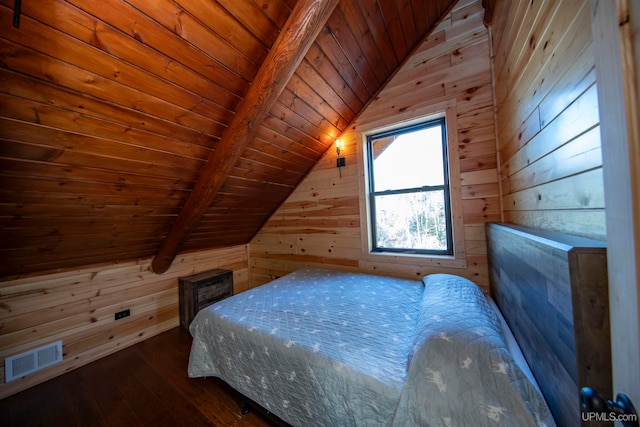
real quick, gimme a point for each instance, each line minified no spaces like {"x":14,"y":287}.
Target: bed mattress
{"x":323,"y":347}
{"x":303,"y":334}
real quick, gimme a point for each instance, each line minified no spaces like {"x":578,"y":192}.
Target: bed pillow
{"x":460,"y":371}
{"x":447,"y":301}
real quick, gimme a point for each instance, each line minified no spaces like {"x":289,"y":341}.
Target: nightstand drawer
{"x":200,"y":290}
{"x":214,"y":291}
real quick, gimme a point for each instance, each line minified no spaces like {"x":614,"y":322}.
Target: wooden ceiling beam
{"x":303,"y":26}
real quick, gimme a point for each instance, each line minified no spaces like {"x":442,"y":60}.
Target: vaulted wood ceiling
{"x":109,"y":110}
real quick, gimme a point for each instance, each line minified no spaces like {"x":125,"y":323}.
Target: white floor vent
{"x":33,"y":360}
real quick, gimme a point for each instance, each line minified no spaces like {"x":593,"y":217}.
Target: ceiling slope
{"x":111,"y":109}
{"x":302,"y":27}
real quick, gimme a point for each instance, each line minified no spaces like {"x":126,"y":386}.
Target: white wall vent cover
{"x":33,"y":360}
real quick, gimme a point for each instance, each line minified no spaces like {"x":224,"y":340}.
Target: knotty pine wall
{"x":547,"y":116}
{"x":320,"y":223}
{"x":550,"y":173}
{"x":78,"y":308}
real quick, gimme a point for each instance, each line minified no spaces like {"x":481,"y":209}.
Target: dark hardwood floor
{"x":143,"y":385}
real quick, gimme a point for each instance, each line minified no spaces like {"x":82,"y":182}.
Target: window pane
{"x":411,"y":221}
{"x":408,"y":160}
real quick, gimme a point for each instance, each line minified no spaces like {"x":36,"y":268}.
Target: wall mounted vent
{"x":33,"y":360}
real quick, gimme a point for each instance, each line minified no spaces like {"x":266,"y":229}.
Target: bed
{"x":325,"y":347}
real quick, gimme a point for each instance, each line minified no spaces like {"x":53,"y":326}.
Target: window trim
{"x":445,"y":109}
{"x":373,"y":194}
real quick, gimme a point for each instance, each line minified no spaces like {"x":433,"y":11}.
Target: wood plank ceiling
{"x":109,"y":110}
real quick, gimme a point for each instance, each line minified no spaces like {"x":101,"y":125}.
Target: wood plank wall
{"x":547,"y":116}
{"x":78,"y":308}
{"x":320,"y":223}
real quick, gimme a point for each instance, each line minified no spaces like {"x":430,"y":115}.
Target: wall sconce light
{"x":17,"y":6}
{"x":340,"y":161}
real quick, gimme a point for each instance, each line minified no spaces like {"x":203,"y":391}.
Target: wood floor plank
{"x":20,"y":412}
{"x":143,"y":385}
{"x":82,"y":406}
{"x":139,"y":397}
{"x":221,"y":409}
{"x":113,"y":405}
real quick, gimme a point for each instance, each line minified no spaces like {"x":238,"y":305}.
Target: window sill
{"x":446,"y":261}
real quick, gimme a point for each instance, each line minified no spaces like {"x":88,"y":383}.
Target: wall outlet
{"x":123,"y":313}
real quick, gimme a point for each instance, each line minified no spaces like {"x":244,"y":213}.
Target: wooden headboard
{"x":552,"y":290}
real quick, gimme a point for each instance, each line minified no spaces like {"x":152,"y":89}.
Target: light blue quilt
{"x":321,"y":347}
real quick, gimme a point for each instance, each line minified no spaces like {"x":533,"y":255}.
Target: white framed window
{"x":409,"y":197}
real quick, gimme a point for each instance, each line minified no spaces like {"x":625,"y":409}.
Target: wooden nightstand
{"x":201,"y":290}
